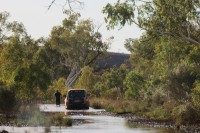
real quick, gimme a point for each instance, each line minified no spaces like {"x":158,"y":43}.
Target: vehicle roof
{"x":76,"y":89}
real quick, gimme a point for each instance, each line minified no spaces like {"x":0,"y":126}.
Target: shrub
{"x":7,"y":100}
{"x":181,"y":81}
{"x":184,"y":114}
{"x":117,"y":106}
{"x":67,"y":122}
{"x":159,"y":113}
{"x":113,"y":93}
{"x":58,"y":120}
{"x":57,"y":85}
{"x":134,"y":83}
{"x":196,"y":95}
{"x":96,"y":103}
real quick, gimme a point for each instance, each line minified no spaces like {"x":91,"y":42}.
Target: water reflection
{"x":87,"y":121}
{"x":80,"y":117}
{"x":108,"y":124}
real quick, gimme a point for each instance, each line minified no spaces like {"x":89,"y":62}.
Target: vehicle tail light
{"x":66,"y":101}
{"x":86,"y":100}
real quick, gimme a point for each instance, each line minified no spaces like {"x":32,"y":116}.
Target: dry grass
{"x":117,"y":106}
{"x":142,"y":109}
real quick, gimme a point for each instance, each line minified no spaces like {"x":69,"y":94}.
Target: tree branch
{"x":181,"y":36}
{"x":69,"y":2}
{"x":51,"y":4}
{"x":94,"y":58}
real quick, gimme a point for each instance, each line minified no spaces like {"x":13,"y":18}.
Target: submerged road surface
{"x":90,"y":123}
{"x":62,"y":108}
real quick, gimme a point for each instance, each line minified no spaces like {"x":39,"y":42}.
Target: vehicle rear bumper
{"x":77,"y":106}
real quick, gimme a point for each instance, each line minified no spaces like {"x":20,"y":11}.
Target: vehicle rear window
{"x":76,"y":93}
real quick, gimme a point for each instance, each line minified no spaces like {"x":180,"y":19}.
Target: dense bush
{"x":59,"y":85}
{"x":181,"y":81}
{"x":96,"y":103}
{"x":113,"y":93}
{"x":134,"y":83}
{"x":7,"y":100}
{"x":185,"y":114}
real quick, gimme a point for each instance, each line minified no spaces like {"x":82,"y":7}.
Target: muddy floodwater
{"x":90,"y":121}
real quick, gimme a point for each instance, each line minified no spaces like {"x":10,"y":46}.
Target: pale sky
{"x":38,"y":20}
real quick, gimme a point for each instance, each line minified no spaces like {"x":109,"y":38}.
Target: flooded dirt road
{"x":61,"y":108}
{"x":90,"y":122}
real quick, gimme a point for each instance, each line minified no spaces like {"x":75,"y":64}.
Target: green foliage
{"x":8,"y":28}
{"x":77,"y":42}
{"x":196,"y":95}
{"x":161,"y":75}
{"x":11,"y":58}
{"x":119,"y":13}
{"x":30,"y":74}
{"x":87,"y":79}
{"x":17,"y":67}
{"x":56,"y":68}
{"x":178,"y":19}
{"x":134,"y":83}
{"x":185,"y":114}
{"x":181,"y":81}
{"x":56,"y":85}
{"x":42,"y":59}
{"x":142,"y":48}
{"x":113,"y":93}
{"x":159,"y":113}
{"x":115,"y":77}
{"x":194,"y":56}
{"x":164,"y":61}
{"x":30,"y":80}
{"x":110,"y":84}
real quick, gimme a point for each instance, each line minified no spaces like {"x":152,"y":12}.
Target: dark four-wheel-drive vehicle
{"x":77,"y":99}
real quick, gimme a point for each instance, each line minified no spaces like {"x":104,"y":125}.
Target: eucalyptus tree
{"x":20,"y":64}
{"x":12,"y":38}
{"x":153,"y":58}
{"x":78,"y":43}
{"x":33,"y":78}
{"x":11,"y":57}
{"x":174,"y":18}
{"x":8,"y":28}
{"x":172,"y":29}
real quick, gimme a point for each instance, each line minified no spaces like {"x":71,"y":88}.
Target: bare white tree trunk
{"x":73,"y":76}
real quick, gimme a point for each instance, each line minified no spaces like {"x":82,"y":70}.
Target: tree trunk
{"x":73,"y":76}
